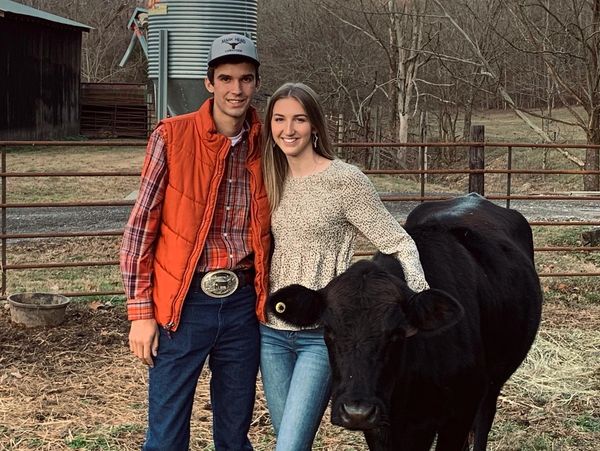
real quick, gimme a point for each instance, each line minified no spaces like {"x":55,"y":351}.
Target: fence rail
{"x":421,"y":171}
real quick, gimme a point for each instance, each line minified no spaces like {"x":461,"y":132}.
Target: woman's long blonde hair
{"x":274,"y":162}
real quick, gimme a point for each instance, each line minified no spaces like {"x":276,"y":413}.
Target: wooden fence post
{"x":477,"y":160}
{"x":423,"y":153}
{"x":3,"y":199}
{"x":377,"y":138}
{"x":340,"y":136}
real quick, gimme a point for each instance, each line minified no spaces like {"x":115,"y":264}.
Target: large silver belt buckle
{"x":219,"y":283}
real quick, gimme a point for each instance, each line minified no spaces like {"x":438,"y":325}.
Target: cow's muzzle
{"x":357,"y":415}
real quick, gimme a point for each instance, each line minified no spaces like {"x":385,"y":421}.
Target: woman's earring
{"x":315,"y":140}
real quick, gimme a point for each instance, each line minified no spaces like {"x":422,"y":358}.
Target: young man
{"x":194,"y":256}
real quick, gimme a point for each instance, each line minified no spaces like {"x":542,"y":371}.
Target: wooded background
{"x":386,"y":65}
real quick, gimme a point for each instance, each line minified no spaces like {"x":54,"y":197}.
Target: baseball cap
{"x":232,"y":44}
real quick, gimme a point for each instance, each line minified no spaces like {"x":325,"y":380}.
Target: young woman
{"x":318,"y":205}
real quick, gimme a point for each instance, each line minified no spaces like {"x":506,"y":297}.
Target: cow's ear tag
{"x":280,"y":307}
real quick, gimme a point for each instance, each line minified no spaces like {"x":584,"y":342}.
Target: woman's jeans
{"x":227,"y":330}
{"x":296,"y":376}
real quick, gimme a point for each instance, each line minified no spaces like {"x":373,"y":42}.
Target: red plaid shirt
{"x":228,"y":240}
{"x":227,"y":244}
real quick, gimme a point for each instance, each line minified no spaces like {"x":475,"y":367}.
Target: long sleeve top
{"x":316,"y":224}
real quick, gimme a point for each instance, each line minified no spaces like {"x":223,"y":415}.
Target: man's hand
{"x":143,"y":340}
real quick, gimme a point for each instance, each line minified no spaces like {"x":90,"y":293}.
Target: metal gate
{"x":420,"y":172}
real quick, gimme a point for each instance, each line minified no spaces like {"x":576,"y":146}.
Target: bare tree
{"x":570,"y":53}
{"x":105,"y":44}
{"x":460,"y":80}
{"x":397,"y":30}
{"x":314,"y":47}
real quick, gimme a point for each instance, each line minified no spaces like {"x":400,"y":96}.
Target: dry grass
{"x":71,"y":250}
{"x":552,"y":401}
{"x":73,"y":159}
{"x":505,"y":126}
{"x":77,"y":387}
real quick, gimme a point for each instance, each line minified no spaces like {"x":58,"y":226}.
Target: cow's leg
{"x":485,"y":418}
{"x":453,"y":436}
{"x":411,"y":438}
{"x":379,"y":439}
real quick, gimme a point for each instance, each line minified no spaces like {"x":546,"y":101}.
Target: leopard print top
{"x":316,"y":224}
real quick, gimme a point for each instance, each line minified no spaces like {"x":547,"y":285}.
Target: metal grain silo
{"x":179,"y":36}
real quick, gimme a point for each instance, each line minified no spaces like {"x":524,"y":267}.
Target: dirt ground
{"x":76,"y":386}
{"x":58,"y":385}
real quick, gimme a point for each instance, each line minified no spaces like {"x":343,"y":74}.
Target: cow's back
{"x":482,"y":254}
{"x":475,"y":213}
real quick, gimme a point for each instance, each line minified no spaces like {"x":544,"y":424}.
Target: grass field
{"x":73,"y":159}
{"x":505,"y":126}
{"x":76,"y":387}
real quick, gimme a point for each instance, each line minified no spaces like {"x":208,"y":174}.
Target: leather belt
{"x":220,"y":283}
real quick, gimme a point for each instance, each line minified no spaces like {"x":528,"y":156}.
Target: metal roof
{"x":22,"y":10}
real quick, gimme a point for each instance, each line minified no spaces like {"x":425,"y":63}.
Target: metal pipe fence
{"x":422,"y":172}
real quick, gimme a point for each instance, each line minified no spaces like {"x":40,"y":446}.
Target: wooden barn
{"x":40,"y":62}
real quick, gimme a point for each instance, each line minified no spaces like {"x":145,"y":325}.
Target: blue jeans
{"x":227,"y":330}
{"x":296,"y":377}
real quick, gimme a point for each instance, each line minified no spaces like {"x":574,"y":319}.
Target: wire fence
{"x":414,"y":162}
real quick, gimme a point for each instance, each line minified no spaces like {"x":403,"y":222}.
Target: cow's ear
{"x":432,"y":311}
{"x":296,"y":305}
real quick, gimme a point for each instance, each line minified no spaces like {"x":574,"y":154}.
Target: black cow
{"x":407,"y":366}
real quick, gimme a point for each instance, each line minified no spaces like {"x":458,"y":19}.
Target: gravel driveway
{"x":29,"y":220}
{"x":559,"y":210}
{"x":68,"y":219}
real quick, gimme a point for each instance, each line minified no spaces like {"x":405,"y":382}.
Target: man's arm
{"x":137,"y":250}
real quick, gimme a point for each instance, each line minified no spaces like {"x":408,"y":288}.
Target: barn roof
{"x":8,"y":6}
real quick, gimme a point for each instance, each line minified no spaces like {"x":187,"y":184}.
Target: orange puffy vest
{"x":196,"y":155}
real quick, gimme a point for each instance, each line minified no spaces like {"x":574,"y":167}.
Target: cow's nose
{"x":359,"y":415}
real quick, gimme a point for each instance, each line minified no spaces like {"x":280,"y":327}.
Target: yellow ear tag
{"x":280,"y":307}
